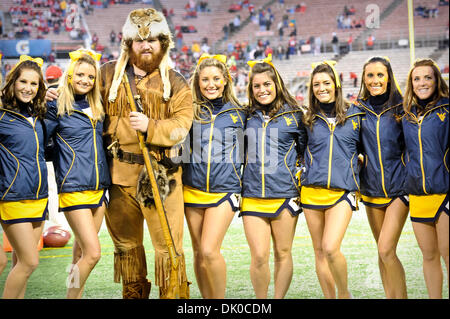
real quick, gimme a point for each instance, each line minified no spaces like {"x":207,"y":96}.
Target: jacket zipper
{"x":263,"y":142}
{"x":213,"y":118}
{"x":331,"y":126}
{"x":419,"y":136}
{"x":379,"y":144}
{"x":37,"y":149}
{"x":37,"y":159}
{"x":208,"y":170}
{"x":96,"y":154}
{"x":380,"y":157}
{"x":93,"y":123}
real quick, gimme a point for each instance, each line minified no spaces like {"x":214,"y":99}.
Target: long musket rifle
{"x":174,"y":287}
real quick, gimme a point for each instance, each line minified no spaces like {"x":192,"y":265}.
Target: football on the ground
{"x":56,"y":236}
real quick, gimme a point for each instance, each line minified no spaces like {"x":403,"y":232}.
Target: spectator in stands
{"x":203,"y":6}
{"x":226,"y":31}
{"x":236,"y":22}
{"x":340,"y":21}
{"x":52,"y":75}
{"x":63,"y":7}
{"x":24,"y":204}
{"x":354,"y":77}
{"x":205,"y":47}
{"x":370,"y":42}
{"x":280,"y":29}
{"x":328,"y":184}
{"x":426,"y":127}
{"x":235,"y":7}
{"x":292,"y":46}
{"x":269,"y":205}
{"x":268,"y":50}
{"x":112,"y":37}
{"x":280,"y":52}
{"x":352,"y":10}
{"x":335,"y":44}
{"x":350,"y":42}
{"x":382,"y":172}
{"x":434,"y":11}
{"x":317,"y":45}
{"x":178,"y":38}
{"x":82,"y":194}
{"x":195,"y":49}
{"x":210,"y":204}
{"x":94,"y":41}
{"x":347,"y":22}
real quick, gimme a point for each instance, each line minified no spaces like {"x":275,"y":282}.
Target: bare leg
{"x":428,"y":243}
{"x":337,"y":219}
{"x":24,"y":238}
{"x":85,"y":229}
{"x":387,"y":224}
{"x":257,"y":231}
{"x":443,"y":239}
{"x":315,"y":220}
{"x":283,"y":231}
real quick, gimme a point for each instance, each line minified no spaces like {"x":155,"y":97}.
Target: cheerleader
{"x":212,"y":176}
{"x":81,"y":170}
{"x":3,"y":258}
{"x":383,"y":170}
{"x":426,"y":129}
{"x":331,"y":175}
{"x":23,"y":179}
{"x":275,"y":139}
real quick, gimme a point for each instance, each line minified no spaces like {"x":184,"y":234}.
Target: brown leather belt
{"x":130,"y":158}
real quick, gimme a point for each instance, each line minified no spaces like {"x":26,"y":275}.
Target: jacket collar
{"x":440,"y":103}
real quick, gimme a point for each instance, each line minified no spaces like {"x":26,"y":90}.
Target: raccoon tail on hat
{"x":118,"y":72}
{"x":164,"y":70}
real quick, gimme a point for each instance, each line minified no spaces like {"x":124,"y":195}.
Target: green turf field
{"x":49,"y":280}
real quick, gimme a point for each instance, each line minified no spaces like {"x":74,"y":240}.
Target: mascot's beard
{"x":146,"y":63}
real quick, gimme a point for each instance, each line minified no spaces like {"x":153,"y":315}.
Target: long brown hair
{"x":394,"y":94}
{"x":282,"y":94}
{"x":198,"y":99}
{"x":341,"y":104}
{"x":441,"y":90}
{"x":8,"y":97}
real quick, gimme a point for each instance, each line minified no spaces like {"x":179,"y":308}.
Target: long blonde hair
{"x":440,"y":91}
{"x":198,"y":99}
{"x":66,"y":91}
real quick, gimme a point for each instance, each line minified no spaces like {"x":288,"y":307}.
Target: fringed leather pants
{"x":125,"y":221}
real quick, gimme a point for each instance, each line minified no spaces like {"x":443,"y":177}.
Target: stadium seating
{"x":317,"y":19}
{"x":397,"y":23}
{"x":104,"y":20}
{"x":63,"y":36}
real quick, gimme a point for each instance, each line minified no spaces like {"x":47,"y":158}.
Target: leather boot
{"x":137,"y":290}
